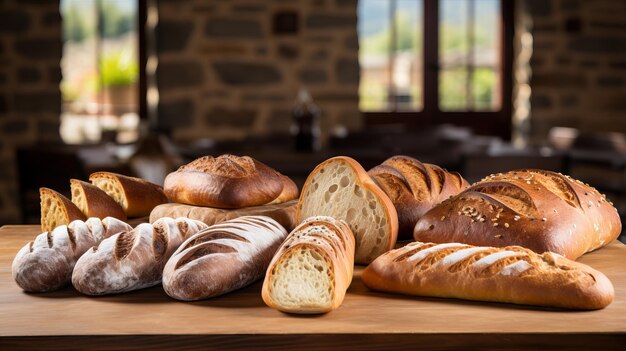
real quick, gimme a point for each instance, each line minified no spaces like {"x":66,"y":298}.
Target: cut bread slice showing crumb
{"x":94,"y":202}
{"x":56,"y":210}
{"x":340,"y":188}
{"x":136,"y":196}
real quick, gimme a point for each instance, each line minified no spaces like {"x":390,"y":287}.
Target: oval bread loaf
{"x":512,"y":274}
{"x":313,"y":268}
{"x":46,"y":263}
{"x":222,"y":258}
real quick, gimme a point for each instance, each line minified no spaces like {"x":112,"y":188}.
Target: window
{"x":101,"y":76}
{"x":442,"y":61}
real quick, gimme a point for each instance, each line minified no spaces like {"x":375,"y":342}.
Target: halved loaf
{"x":57,"y":210}
{"x":511,"y":274}
{"x":313,"y":268}
{"x":340,"y":188}
{"x":136,"y":196}
{"x":94,"y":202}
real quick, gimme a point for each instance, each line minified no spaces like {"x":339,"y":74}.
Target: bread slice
{"x":56,"y":210}
{"x":340,"y":188}
{"x":94,"y":202}
{"x":312,"y":270}
{"x":136,"y":196}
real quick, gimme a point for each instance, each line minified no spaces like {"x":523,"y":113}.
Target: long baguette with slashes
{"x":511,"y":274}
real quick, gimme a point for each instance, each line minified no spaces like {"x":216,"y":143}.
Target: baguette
{"x":313,"y":268}
{"x":57,"y":210}
{"x":131,"y":260}
{"x":136,"y":196}
{"x":222,"y":258}
{"x":340,"y":188}
{"x":94,"y":202}
{"x":539,"y":210}
{"x":414,"y":188}
{"x":512,"y":274}
{"x":46,"y":263}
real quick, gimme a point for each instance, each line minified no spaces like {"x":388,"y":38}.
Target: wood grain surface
{"x":149,"y":319}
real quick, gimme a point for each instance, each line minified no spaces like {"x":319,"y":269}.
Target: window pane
{"x":484,"y":84}
{"x":453,"y":89}
{"x":486,"y":87}
{"x":453,"y":39}
{"x":407,"y":59}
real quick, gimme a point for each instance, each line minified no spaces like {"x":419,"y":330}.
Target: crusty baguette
{"x":136,"y":196}
{"x":222,"y":258}
{"x":414,"y":188}
{"x":283,"y":213}
{"x":57,"y":210}
{"x":313,"y":268}
{"x":94,"y":202}
{"x":539,"y":210}
{"x":340,"y":188}
{"x":228,"y":181}
{"x":46,"y":263}
{"x":132,"y":260}
{"x":512,"y":274}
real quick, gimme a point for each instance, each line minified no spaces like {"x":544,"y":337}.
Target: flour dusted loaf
{"x":340,"y":188}
{"x":94,"y":202}
{"x":133,"y":259}
{"x":414,"y":188}
{"x":228,"y":181}
{"x":57,"y":210}
{"x":539,"y":210}
{"x":312,"y":270}
{"x":46,"y":263}
{"x":512,"y":274}
{"x":136,"y":196}
{"x":222,"y":258}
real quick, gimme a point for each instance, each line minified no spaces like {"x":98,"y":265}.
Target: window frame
{"x":496,"y":123}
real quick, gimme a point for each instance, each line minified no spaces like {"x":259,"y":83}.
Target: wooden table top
{"x":149,"y":319}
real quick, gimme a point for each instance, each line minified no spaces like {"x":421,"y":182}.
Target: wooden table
{"x":149,"y":320}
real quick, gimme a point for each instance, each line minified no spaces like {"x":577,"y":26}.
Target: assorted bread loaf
{"x":539,"y":210}
{"x":414,"y":188}
{"x":222,"y":258}
{"x":57,"y":210}
{"x":94,"y":202}
{"x":312,"y":270}
{"x":46,"y":263}
{"x":132,"y":260}
{"x":511,"y":274}
{"x":340,"y":188}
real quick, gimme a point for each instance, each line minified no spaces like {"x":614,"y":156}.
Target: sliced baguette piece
{"x":136,"y":196}
{"x":94,"y":202}
{"x":340,"y":188}
{"x":511,"y":274}
{"x":57,"y":210}
{"x":312,"y":269}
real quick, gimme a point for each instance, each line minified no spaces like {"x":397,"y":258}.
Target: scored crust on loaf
{"x":340,"y":188}
{"x":511,"y":274}
{"x":57,"y":210}
{"x":536,"y":209}
{"x":312,"y":270}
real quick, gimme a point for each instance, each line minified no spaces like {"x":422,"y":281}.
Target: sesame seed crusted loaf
{"x":537,"y":209}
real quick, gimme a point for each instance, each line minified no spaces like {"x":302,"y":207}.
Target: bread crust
{"x":413,"y":197}
{"x":222,"y":258}
{"x":512,"y":274}
{"x":539,"y":210}
{"x":367,"y":183}
{"x":131,"y":260}
{"x":140,"y":195}
{"x":337,"y":248}
{"x":69,"y":211}
{"x":228,"y":181}
{"x":98,"y":203}
{"x":46,"y":264}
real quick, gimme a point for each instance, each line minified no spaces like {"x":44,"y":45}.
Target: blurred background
{"x":141,"y":86}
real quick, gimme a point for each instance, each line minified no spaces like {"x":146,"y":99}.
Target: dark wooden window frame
{"x":497,"y":123}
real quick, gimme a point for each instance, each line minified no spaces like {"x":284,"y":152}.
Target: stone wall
{"x":30,"y":99}
{"x":578,"y":65}
{"x":228,"y":69}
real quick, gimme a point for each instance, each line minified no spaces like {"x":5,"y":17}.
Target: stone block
{"x":249,"y":8}
{"x":598,"y":44}
{"x":39,"y":48}
{"x":347,"y":71}
{"x":570,"y":100}
{"x":37,"y":102}
{"x":539,"y":7}
{"x":28,"y":75}
{"x":287,"y":51}
{"x":48,"y":130}
{"x":352,"y":42}
{"x":229,"y":117}
{"x":55,"y":74}
{"x":3,"y":105}
{"x":559,"y":80}
{"x":14,"y":127}
{"x":539,"y":101}
{"x":179,"y":74}
{"x":570,"y":5}
{"x":175,"y":114}
{"x":263,"y":97}
{"x":233,"y":28}
{"x":330,"y":21}
{"x":313,"y":76}
{"x":173,"y":35}
{"x":14,"y":21}
{"x":610,"y":81}
{"x":52,"y":19}
{"x":240,"y":73}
